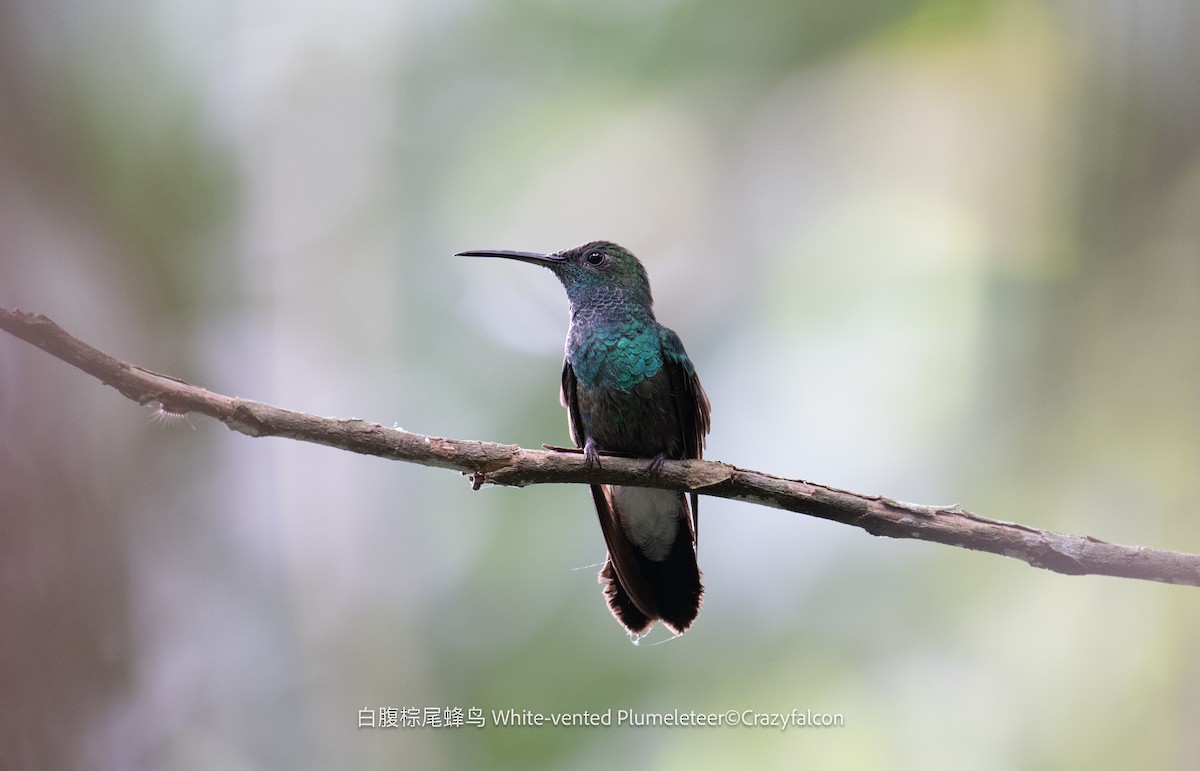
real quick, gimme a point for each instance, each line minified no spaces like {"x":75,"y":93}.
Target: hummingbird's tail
{"x":651,"y":572}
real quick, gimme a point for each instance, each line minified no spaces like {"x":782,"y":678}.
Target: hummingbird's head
{"x":594,"y":272}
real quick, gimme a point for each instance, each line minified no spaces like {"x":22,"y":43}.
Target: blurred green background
{"x":945,"y":251}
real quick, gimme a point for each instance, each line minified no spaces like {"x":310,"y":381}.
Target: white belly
{"x":650,"y":518}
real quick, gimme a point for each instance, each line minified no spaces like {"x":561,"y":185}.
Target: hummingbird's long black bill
{"x":534,"y":257}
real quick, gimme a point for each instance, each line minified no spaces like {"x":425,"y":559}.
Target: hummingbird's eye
{"x":595,"y":258}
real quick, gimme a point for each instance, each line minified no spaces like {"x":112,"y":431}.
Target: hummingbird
{"x":630,"y":389}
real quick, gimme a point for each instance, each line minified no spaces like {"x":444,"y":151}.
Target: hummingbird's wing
{"x":567,"y":396}
{"x":692,"y":408}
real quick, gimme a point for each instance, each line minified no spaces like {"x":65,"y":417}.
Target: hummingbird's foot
{"x":591,"y":455}
{"x":656,"y":463}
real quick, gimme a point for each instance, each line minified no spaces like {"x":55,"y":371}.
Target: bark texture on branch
{"x":500,"y":464}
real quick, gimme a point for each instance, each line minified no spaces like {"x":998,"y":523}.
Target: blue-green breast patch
{"x":618,"y":357}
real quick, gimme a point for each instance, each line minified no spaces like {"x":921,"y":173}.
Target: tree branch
{"x":500,"y":464}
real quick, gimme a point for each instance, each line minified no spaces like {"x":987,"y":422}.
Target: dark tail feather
{"x":621,"y":604}
{"x":640,"y":590}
